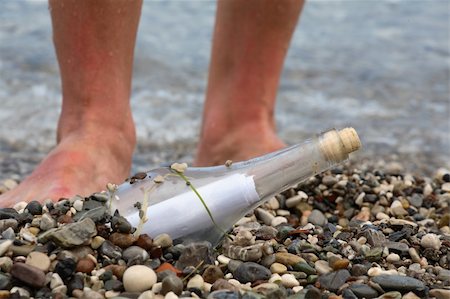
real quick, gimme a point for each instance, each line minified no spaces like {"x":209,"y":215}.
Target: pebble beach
{"x":348,"y":233}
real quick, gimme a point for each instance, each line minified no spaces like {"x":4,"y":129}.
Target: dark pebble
{"x":144,"y":241}
{"x":212,"y":273}
{"x":348,"y":294}
{"x":5,"y":281}
{"x":113,"y":285}
{"x":28,"y":274}
{"x":363,"y":291}
{"x":75,"y":283}
{"x":121,"y":224}
{"x":251,"y":272}
{"x":195,"y":253}
{"x":224,"y":294}
{"x":359,"y":269}
{"x":223,"y":284}
{"x":110,"y":250}
{"x":65,"y":268}
{"x":266,"y":233}
{"x":399,"y":283}
{"x":34,"y":207}
{"x":334,"y":280}
{"x":172,"y":283}
{"x":8,"y":213}
{"x":313,"y":293}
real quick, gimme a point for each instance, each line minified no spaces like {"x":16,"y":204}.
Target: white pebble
{"x":171,"y":295}
{"x":264,"y":216}
{"x":381,"y":216}
{"x":228,"y":276}
{"x":446,"y":187}
{"x":375,"y":271}
{"x":322,"y":267}
{"x":111,"y":294}
{"x":56,"y":281}
{"x":289,"y":281}
{"x":392,"y":258}
{"x":156,"y":288}
{"x":278,"y":220}
{"x":275,"y":278}
{"x":223,"y":259}
{"x":397,"y":208}
{"x":20,"y":206}
{"x":138,"y":278}
{"x":431,"y":241}
{"x":147,"y":295}
{"x":4,"y":246}
{"x":196,"y":282}
{"x":297,"y":289}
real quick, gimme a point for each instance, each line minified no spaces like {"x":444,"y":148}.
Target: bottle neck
{"x":277,"y":172}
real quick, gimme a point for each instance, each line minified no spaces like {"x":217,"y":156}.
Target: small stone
{"x":397,"y":208}
{"x":163,"y":240}
{"x":334,"y":280}
{"x":171,"y":283}
{"x":85,"y":265}
{"x":97,"y":241}
{"x":329,"y":180}
{"x":393,"y":258}
{"x":289,"y":281}
{"x":39,"y":260}
{"x":363,"y":291}
{"x":138,"y":278}
{"x":110,"y":250}
{"x":225,"y":294}
{"x":416,"y":200}
{"x":317,"y":218}
{"x":278,"y":220}
{"x":278,"y":268}
{"x":264,"y":216}
{"x":398,"y":283}
{"x":410,"y":295}
{"x":135,"y":253}
{"x":145,"y":295}
{"x":440,"y":293}
{"x":4,"y":246}
{"x":70,"y":235}
{"x":34,"y":207}
{"x":431,"y":241}
{"x":222,"y":284}
{"x":56,"y":281}
{"x":305,"y":268}
{"x":28,"y":274}
{"x":212,"y":273}
{"x":47,"y":222}
{"x":374,"y":254}
{"x":340,"y":264}
{"x":196,"y":282}
{"x":179,"y":167}
{"x":113,"y":285}
{"x":5,"y":281}
{"x":195,"y":253}
{"x":144,"y":241}
{"x":65,"y":268}
{"x":266,"y":232}
{"x":122,"y":240}
{"x":251,"y":272}
{"x":445,"y":187}
{"x":322,"y":267}
{"x":288,"y":259}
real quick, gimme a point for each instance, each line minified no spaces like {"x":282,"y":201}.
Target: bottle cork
{"x":336,"y":145}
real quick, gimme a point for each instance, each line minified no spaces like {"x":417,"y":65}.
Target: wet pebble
{"x":251,"y":272}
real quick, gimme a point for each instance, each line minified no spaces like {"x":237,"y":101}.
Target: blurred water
{"x":380,"y":66}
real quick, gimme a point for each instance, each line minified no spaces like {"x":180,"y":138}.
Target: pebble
{"x":39,"y":260}
{"x":30,"y":275}
{"x":135,"y":254}
{"x":440,"y":293}
{"x":47,"y":222}
{"x":398,"y":283}
{"x":251,"y":272}
{"x":196,"y":282}
{"x":393,"y":258}
{"x":171,"y":283}
{"x":123,"y":240}
{"x":163,"y":241}
{"x":85,"y":265}
{"x":278,"y":268}
{"x":431,"y":241}
{"x":317,"y":218}
{"x":289,"y":281}
{"x":278,"y":220}
{"x":264,"y":216}
{"x":397,"y":208}
{"x":322,"y":267}
{"x":288,"y":259}
{"x":71,"y":235}
{"x":334,"y":280}
{"x":363,"y":291}
{"x":4,"y":246}
{"x":138,"y":278}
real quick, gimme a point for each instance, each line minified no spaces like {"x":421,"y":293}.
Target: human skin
{"x":94,"y":42}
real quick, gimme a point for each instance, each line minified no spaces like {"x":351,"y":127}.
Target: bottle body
{"x":229,"y":192}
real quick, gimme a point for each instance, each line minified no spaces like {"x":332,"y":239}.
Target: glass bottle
{"x":170,"y":201}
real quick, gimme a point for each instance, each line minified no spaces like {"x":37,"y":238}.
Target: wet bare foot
{"x":82,"y":163}
{"x":245,"y":143}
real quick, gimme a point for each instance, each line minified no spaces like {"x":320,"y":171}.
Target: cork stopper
{"x":336,"y":145}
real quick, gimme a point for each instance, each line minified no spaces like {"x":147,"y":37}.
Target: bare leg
{"x":94,"y":43}
{"x":251,"y":39}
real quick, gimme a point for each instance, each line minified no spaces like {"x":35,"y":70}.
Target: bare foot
{"x":249,"y":141}
{"x":82,"y":163}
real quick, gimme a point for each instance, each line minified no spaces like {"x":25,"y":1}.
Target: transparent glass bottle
{"x":229,"y":191}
